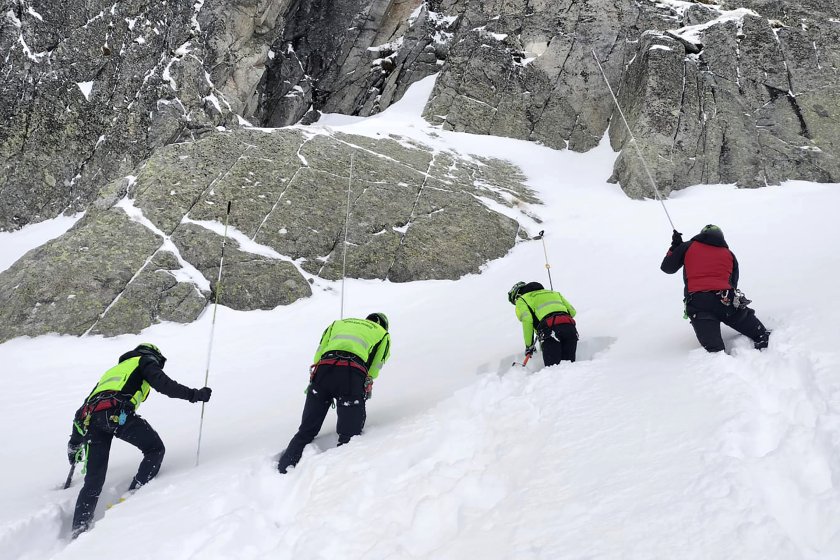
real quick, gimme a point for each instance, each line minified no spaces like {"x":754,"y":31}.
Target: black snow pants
{"x":558,"y":343}
{"x":340,"y":383}
{"x":706,"y":312}
{"x":103,"y":428}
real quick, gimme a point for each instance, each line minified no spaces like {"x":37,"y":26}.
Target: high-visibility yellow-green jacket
{"x":362,"y":338}
{"x":134,"y":376}
{"x":117,"y":380}
{"x":533,"y":307}
{"x":130,"y":381}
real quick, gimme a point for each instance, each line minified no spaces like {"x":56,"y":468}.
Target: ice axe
{"x":70,"y":476}
{"x":524,"y":362}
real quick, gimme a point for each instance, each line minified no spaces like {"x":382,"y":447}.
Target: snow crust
{"x":13,"y":245}
{"x":647,"y":447}
{"x":85,"y":88}
{"x":694,"y":33}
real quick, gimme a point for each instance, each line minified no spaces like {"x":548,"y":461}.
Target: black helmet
{"x":379,"y":318}
{"x":712,"y":231}
{"x":513,"y":293}
{"x":149,"y":349}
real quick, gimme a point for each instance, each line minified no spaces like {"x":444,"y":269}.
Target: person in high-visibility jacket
{"x":549,"y":316}
{"x":110,"y":411}
{"x":348,"y":359}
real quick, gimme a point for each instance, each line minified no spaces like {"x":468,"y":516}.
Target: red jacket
{"x":708,"y":264}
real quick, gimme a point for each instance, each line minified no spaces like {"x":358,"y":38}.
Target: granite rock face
{"x":66,"y":285}
{"x":362,"y":58}
{"x":732,"y":91}
{"x":149,"y":248}
{"x":134,"y":111}
{"x":249,"y":281}
{"x":716,"y":92}
{"x":755,"y":105}
{"x":91,"y":88}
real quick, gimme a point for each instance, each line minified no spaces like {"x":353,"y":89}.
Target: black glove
{"x":529,"y":351}
{"x":73,"y":452}
{"x":676,"y":239}
{"x":201,"y":395}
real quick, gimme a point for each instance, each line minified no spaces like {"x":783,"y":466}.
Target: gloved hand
{"x":529,"y":351}
{"x":676,"y":239}
{"x":201,"y":395}
{"x":368,"y":387}
{"x":73,"y":454}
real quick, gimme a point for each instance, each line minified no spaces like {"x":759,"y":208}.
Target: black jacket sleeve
{"x":733,"y":278}
{"x":162,"y":383}
{"x":675,"y":258}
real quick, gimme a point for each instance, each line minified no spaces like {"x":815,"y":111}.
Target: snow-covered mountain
{"x":646,"y":448}
{"x":719,"y":91}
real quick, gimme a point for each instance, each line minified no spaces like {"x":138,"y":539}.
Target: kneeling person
{"x":549,"y":316}
{"x":712,"y":297}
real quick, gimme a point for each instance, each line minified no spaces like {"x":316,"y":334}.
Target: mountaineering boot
{"x":763,"y":341}
{"x":79,"y":530}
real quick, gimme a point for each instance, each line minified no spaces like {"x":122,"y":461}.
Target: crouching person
{"x":348,"y":359}
{"x":110,"y":411}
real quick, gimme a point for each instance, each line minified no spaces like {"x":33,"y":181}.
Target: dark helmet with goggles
{"x":379,"y":318}
{"x":149,"y":349}
{"x":514,"y":292}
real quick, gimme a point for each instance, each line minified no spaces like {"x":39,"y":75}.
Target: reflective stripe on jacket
{"x":117,"y":378}
{"x":533,"y":307}
{"x":360,"y":337}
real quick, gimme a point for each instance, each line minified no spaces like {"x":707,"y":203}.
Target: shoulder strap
{"x":373,"y":351}
{"x":533,"y":314}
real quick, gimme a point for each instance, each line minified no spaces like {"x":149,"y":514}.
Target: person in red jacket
{"x":710,"y":272}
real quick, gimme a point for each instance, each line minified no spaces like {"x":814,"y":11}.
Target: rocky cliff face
{"x":732,"y":92}
{"x":746,"y":96}
{"x":131,"y":111}
{"x":716,"y":91}
{"x":90,"y":89}
{"x":149,"y":247}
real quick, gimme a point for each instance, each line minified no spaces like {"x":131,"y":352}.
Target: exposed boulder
{"x":149,"y":248}
{"x":67,"y":284}
{"x":155,"y":294}
{"x":737,"y":112}
{"x":90,"y":89}
{"x":290,"y":194}
{"x":249,"y":281}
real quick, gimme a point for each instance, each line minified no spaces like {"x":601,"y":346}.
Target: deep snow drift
{"x":647,"y":447}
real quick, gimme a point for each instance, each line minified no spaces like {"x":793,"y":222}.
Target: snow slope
{"x":647,"y":447}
